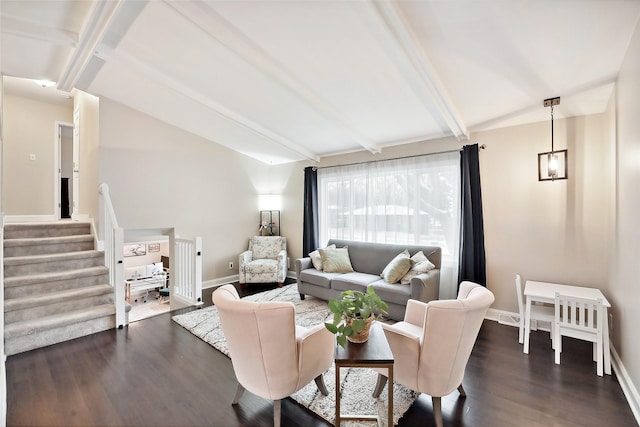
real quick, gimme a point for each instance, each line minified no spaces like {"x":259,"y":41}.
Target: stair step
{"x":46,"y":229}
{"x":49,"y":263}
{"x":20,"y":286}
{"x":47,"y":245}
{"x":37,"y":306}
{"x":35,"y":333}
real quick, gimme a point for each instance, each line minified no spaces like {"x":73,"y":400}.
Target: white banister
{"x":112,"y":237}
{"x":187,"y":278}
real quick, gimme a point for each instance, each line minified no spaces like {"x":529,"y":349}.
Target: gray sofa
{"x":368,"y":260}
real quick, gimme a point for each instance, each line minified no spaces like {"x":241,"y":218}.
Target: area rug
{"x":357,"y":384}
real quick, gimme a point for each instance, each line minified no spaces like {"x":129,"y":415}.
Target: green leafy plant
{"x":351,"y":311}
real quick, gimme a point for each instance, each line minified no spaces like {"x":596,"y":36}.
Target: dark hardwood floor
{"x":155,"y":373}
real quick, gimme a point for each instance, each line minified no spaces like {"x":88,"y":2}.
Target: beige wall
{"x":551,"y":231}
{"x":625,"y":277}
{"x":161,"y":176}
{"x":29,"y":128}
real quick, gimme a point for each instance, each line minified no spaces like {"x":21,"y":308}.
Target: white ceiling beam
{"x":427,"y":86}
{"x":95,"y":27}
{"x":220,"y":29}
{"x":29,"y":30}
{"x":184,"y":90}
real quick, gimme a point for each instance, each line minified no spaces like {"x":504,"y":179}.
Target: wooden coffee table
{"x":375,"y":353}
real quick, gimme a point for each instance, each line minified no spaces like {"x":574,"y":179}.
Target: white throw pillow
{"x":316,"y":259}
{"x":419,"y":264}
{"x":397,"y":267}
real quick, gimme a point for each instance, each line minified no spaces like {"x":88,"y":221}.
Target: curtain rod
{"x":482,"y":147}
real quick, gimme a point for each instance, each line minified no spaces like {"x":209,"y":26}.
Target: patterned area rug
{"x":357,"y":384}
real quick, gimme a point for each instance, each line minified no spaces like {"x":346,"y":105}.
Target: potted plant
{"x":353,"y":314}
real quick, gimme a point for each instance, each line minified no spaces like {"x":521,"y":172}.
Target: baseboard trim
{"x":29,"y":218}
{"x":213,"y":283}
{"x":628,"y":388}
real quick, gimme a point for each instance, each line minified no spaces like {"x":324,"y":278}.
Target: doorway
{"x":65,"y":196}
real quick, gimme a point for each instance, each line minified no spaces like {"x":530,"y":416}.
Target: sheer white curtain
{"x":405,"y":201}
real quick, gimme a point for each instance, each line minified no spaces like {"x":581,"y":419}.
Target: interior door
{"x":64,"y":179}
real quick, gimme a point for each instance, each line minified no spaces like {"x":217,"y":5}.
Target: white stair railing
{"x":3,"y":358}
{"x":186,"y":270}
{"x":112,"y":237}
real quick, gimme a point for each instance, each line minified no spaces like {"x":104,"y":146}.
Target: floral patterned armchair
{"x":265,"y":261}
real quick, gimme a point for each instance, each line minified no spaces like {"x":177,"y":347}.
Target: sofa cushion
{"x":397,"y":267}
{"x":336,"y":260}
{"x":419,"y":264}
{"x":353,"y":281}
{"x":267,"y":246}
{"x":316,"y":259}
{"x":318,"y":278}
{"x":392,"y":293}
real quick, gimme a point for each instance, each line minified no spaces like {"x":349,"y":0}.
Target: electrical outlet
{"x":231,"y":265}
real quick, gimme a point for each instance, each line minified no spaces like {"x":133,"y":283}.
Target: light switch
{"x":32,"y":156}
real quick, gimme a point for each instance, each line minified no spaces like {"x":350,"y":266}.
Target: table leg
{"x":605,"y":342}
{"x":527,"y":324}
{"x":337,"y":423}
{"x":390,"y":396}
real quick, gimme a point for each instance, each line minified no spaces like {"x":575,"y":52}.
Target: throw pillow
{"x":397,"y":268}
{"x":420,"y":264}
{"x":336,"y":260}
{"x":316,"y":259}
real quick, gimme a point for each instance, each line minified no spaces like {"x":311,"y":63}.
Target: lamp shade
{"x":269,"y":202}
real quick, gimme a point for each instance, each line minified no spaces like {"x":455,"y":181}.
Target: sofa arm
{"x":302,"y":264}
{"x":282,"y":265}
{"x":426,"y":287}
{"x":245,"y":258}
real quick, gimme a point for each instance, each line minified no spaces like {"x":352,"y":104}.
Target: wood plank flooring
{"x":155,"y":373}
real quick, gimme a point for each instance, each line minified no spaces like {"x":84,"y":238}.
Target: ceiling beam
{"x":95,"y":27}
{"x":21,"y":28}
{"x":220,"y":29}
{"x":178,"y":87}
{"x":415,"y":65}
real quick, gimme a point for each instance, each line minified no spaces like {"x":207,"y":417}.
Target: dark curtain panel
{"x":310,"y":225}
{"x":472,"y":258}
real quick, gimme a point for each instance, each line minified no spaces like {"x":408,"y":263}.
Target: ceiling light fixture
{"x":552,"y":165}
{"x":45,"y":83}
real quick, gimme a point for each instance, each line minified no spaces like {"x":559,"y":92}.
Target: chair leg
{"x":558,"y":348}
{"x":277,"y":411}
{"x":321,"y":385}
{"x":380,"y":382}
{"x":437,"y":410}
{"x":239,"y":392}
{"x":461,"y":391}
{"x":279,"y":284}
{"x":302,"y":297}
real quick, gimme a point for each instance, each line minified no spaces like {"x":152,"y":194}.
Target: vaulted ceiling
{"x":290,"y":80}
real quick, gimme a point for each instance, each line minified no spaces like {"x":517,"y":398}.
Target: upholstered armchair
{"x":432,"y":345}
{"x":272,"y":357}
{"x":265,"y":261}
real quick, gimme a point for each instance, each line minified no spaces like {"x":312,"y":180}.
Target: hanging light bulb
{"x":553,"y":165}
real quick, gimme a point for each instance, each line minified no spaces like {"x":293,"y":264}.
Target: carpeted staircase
{"x":55,"y":285}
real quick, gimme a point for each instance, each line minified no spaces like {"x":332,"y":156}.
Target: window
{"x":405,"y":201}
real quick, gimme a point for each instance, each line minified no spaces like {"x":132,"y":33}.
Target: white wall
{"x":160,"y":176}
{"x":625,"y":277}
